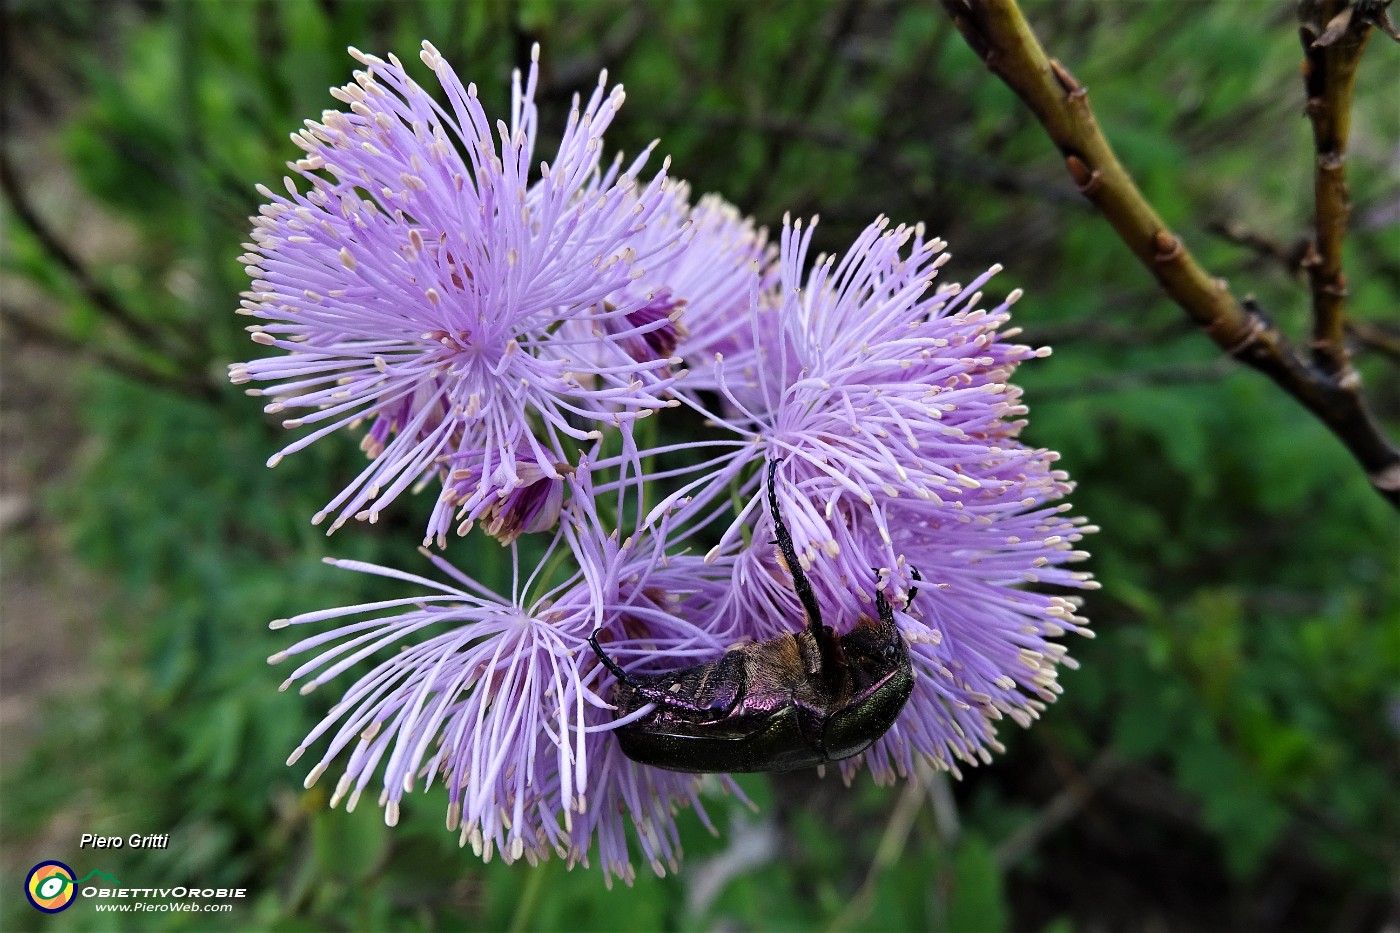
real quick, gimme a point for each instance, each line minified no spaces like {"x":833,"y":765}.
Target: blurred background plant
{"x":1223,"y":758}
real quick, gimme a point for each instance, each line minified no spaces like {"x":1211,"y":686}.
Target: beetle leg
{"x":832,"y":659}
{"x":612,"y":665}
{"x":882,"y":605}
{"x":794,"y":567}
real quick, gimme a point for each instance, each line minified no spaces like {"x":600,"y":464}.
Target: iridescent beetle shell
{"x":797,"y":700}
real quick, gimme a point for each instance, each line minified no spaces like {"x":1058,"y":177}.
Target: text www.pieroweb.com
{"x":157,"y":908}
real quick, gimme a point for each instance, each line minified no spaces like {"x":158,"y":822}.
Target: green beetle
{"x":800,"y":699}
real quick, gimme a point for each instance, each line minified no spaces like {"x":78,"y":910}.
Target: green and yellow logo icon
{"x":50,"y":887}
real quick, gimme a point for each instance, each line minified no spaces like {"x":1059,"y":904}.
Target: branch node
{"x":1256,"y":324}
{"x":1380,"y":18}
{"x":1165,"y":247}
{"x":1068,"y":82}
{"x":1311,"y":257}
{"x":1086,"y":179}
{"x":1387,"y":479}
{"x":1331,"y":161}
{"x":1336,"y":28}
{"x":1240,"y":350}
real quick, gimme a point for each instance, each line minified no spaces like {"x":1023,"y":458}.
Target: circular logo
{"x":49,"y":887}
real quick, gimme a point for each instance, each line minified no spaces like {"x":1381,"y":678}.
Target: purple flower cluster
{"x":500,"y":698}
{"x":888,"y":402}
{"x":497,"y":331}
{"x":483,"y":321}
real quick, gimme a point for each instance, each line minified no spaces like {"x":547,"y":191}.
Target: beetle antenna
{"x":799,"y":579}
{"x":610,"y":664}
{"x":913,"y":590}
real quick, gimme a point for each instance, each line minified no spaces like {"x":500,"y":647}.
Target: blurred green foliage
{"x":1228,"y":749}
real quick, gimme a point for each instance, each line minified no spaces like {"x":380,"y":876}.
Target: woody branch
{"x":1001,"y":37}
{"x":1332,"y":47}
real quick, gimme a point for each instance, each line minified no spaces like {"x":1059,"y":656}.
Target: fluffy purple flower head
{"x":700,"y":295}
{"x":889,"y":406}
{"x":728,"y":261}
{"x":421,"y":277}
{"x":502,"y":700}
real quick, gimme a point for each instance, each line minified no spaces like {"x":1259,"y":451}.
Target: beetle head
{"x":881,"y":680}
